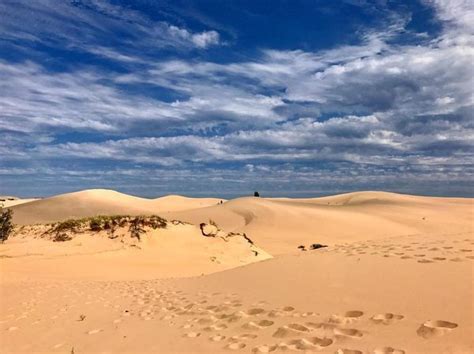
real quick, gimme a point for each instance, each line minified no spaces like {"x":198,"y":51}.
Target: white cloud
{"x":200,"y":40}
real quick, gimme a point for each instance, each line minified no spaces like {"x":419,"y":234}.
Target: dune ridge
{"x":100,"y":202}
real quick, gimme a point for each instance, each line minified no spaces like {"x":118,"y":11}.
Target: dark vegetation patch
{"x":136,"y":225}
{"x":313,"y":246}
{"x":6,"y":225}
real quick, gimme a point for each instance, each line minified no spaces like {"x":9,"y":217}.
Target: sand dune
{"x":281,"y":225}
{"x":396,"y":277}
{"x":101,"y":202}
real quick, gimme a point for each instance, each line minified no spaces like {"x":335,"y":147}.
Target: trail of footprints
{"x":281,"y":329}
{"x":224,"y":320}
{"x":444,"y":248}
{"x":287,"y":328}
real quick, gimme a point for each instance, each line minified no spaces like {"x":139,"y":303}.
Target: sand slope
{"x":177,"y":250}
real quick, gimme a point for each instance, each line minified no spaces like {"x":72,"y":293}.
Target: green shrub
{"x":68,"y":225}
{"x":6,"y":225}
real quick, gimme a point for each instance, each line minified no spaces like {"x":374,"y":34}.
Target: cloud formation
{"x":377,"y":111}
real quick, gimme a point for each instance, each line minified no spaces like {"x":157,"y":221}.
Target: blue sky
{"x":291,"y":98}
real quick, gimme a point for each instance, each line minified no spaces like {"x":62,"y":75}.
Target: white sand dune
{"x":280,"y":225}
{"x":101,"y":202}
{"x":396,"y":277}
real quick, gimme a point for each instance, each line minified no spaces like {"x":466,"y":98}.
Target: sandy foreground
{"x":396,"y":276}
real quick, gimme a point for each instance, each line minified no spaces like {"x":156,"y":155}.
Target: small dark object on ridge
{"x":302,"y":247}
{"x":315,"y":246}
{"x":256,"y":194}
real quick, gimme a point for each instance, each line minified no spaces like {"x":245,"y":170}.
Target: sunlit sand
{"x":366,"y":272}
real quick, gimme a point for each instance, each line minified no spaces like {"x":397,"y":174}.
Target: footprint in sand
{"x":435,"y":328}
{"x":309,"y":314}
{"x":311,"y":343}
{"x":388,"y":350}
{"x":257,"y":325}
{"x":206,"y":320}
{"x":347,"y":332}
{"x":255,"y":312}
{"x":244,"y":336}
{"x":192,"y":334}
{"x":235,"y":346}
{"x":94,"y":331}
{"x":424,"y":261}
{"x":218,"y":327}
{"x":292,"y":329}
{"x":386,"y":318}
{"x":217,"y":338}
{"x":348,"y":317}
{"x":348,"y":351}
{"x":276,"y":313}
{"x":235,"y":317}
{"x":264,"y":349}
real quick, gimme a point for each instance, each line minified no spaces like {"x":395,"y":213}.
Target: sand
{"x":396,"y":276}
{"x":8,"y":201}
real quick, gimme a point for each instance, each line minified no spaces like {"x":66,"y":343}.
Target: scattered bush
{"x":302,"y":247}
{"x":61,"y":237}
{"x":103,"y":222}
{"x":154,"y":221}
{"x":68,"y":225}
{"x":256,"y":194}
{"x":95,"y":224}
{"x":6,"y":225}
{"x":136,"y":227}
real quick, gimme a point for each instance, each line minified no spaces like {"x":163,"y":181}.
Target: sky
{"x":221,"y":98}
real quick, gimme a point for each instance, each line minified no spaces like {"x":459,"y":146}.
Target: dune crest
{"x":93,"y":202}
